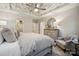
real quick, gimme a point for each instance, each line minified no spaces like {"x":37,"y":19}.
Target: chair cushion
{"x":61,"y":42}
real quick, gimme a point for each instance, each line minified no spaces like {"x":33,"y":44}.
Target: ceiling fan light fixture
{"x":36,"y":9}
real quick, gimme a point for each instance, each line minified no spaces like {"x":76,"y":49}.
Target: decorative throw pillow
{"x":66,"y":38}
{"x":74,"y":38}
{"x":1,"y":38}
{"x":8,"y":35}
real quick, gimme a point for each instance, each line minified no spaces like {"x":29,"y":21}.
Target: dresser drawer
{"x":53,"y":33}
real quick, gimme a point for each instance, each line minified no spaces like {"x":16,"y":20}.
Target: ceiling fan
{"x":35,"y":6}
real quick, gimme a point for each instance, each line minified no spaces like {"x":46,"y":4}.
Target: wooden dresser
{"x":53,"y":33}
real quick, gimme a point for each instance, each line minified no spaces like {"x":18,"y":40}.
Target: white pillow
{"x":8,"y":35}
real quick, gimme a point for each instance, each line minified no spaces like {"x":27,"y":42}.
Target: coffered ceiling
{"x":29,"y":8}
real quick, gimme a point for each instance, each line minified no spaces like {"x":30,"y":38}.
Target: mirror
{"x":50,"y":23}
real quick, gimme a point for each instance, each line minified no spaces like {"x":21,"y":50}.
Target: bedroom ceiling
{"x":37,"y":9}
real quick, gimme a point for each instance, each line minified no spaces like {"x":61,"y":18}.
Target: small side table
{"x":76,"y":49}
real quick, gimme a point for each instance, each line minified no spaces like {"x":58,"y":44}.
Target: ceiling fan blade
{"x":35,"y":5}
{"x":42,"y":8}
{"x":28,"y":5}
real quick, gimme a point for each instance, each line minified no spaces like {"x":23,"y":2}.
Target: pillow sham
{"x":66,"y":38}
{"x":8,"y":35}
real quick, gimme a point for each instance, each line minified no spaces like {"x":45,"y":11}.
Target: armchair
{"x":61,"y":43}
{"x":67,"y":44}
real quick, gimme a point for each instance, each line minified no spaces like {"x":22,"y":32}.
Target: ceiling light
{"x":35,"y":9}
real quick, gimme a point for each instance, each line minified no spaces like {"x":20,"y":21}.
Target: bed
{"x":27,"y":44}
{"x":10,"y":49}
{"x":37,"y":43}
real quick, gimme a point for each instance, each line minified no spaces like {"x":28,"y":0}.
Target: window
{"x":3,"y":23}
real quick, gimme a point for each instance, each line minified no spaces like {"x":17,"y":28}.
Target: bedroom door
{"x":36,"y":26}
{"x":42,"y":26}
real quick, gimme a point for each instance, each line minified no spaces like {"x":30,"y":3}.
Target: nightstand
{"x":53,"y":33}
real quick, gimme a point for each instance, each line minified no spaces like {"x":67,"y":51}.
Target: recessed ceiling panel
{"x":37,"y":9}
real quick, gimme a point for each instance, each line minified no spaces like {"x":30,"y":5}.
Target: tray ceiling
{"x":30,"y":7}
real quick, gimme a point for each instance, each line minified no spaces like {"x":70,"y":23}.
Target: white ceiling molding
{"x":61,"y":13}
{"x":61,"y":9}
{"x":23,"y":8}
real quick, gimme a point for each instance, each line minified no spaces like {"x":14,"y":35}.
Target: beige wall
{"x":68,"y":24}
{"x":11,"y":18}
{"x":67,"y":21}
